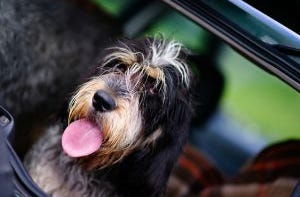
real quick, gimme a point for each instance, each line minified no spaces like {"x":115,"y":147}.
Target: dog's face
{"x":138,"y":87}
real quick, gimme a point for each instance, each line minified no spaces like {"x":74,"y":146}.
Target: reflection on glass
{"x":253,"y":21}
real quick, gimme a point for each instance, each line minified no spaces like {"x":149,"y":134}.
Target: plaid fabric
{"x":281,"y":187}
{"x":278,"y":160}
{"x":192,"y":174}
{"x":274,"y":172}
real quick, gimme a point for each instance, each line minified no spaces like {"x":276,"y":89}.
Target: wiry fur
{"x":143,"y":136}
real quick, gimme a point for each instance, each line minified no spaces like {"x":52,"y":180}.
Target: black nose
{"x":103,"y":102}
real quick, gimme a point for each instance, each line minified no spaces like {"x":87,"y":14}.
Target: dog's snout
{"x":103,"y":102}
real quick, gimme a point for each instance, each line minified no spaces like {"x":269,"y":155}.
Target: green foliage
{"x":111,"y":6}
{"x":260,"y":100}
{"x":174,"y":25}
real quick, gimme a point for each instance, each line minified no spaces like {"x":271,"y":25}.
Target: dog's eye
{"x":117,"y":66}
{"x":121,"y":67}
{"x":152,"y":86}
{"x":153,"y":90}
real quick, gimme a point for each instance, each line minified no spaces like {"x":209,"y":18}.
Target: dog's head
{"x":139,"y":94}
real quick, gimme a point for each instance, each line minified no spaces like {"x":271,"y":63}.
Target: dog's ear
{"x":145,"y":172}
{"x":208,"y":86}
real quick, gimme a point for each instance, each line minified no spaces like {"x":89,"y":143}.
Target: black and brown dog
{"x":125,"y":126}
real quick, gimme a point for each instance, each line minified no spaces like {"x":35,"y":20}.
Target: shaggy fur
{"x":150,"y":83}
{"x":44,"y":46}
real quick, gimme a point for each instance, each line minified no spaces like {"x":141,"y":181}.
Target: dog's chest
{"x":45,"y":165}
{"x":50,"y":180}
{"x":57,"y":174}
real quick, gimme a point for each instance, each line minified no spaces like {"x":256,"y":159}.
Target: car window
{"x":255,"y":22}
{"x":229,"y":21}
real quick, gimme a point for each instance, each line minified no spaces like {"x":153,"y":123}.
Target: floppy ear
{"x":209,"y":83}
{"x":146,"y":171}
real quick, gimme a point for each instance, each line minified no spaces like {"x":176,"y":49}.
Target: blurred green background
{"x":254,"y":98}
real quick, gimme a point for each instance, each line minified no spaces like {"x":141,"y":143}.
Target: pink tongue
{"x":81,"y":138}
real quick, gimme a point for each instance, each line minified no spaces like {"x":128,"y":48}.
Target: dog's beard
{"x":120,"y":128}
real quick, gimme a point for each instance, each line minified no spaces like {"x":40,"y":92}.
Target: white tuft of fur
{"x":166,"y":53}
{"x":162,"y":54}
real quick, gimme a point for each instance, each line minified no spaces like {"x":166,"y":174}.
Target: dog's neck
{"x":142,"y":173}
{"x":60,"y":175}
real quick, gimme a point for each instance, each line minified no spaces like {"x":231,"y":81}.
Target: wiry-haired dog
{"x":126,"y":125}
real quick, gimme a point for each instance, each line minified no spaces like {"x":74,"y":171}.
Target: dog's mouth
{"x":81,"y":138}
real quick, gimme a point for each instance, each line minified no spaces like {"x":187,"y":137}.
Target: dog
{"x":125,"y":126}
